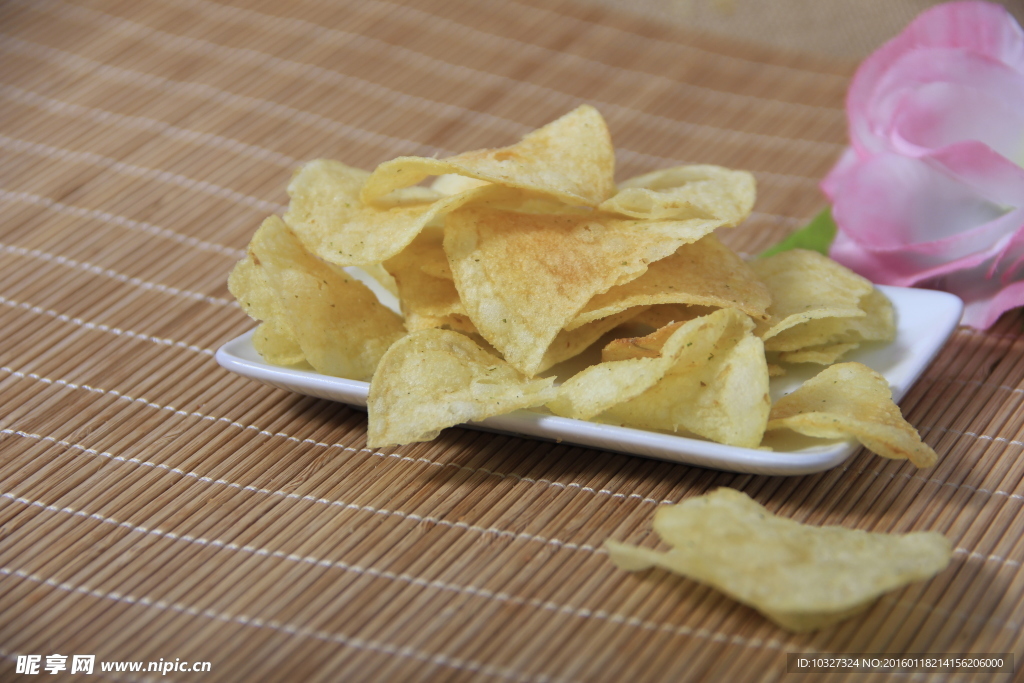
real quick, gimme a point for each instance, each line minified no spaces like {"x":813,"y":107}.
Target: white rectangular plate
{"x":925,"y":320}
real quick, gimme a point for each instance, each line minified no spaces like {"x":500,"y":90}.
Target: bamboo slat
{"x":154,"y":506}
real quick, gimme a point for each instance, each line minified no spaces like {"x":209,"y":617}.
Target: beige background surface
{"x":155,"y":506}
{"x":839,"y":28}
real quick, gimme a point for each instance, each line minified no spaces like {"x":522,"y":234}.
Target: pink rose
{"x":931,"y":191}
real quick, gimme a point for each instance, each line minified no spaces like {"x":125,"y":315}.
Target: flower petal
{"x":984,"y":299}
{"x":983,"y":29}
{"x":930,"y":205}
{"x":989,"y":174}
{"x":940,"y":114}
{"x":873,"y":115}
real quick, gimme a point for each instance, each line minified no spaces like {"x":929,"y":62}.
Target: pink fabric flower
{"x":931,"y":191}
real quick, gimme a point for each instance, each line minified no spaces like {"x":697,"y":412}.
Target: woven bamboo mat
{"x":154,"y":506}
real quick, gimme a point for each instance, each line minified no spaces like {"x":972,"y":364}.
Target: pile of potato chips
{"x":516,"y":259}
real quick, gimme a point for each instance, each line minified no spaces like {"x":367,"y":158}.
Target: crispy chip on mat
{"x":434,"y":379}
{"x":571,"y":159}
{"x":801,"y":577}
{"x":852,"y":400}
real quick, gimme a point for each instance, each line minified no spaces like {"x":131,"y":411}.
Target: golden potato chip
{"x":806,"y":285}
{"x":570,"y":343}
{"x":571,"y":159}
{"x":276,"y":343}
{"x":837,"y":334}
{"x":697,"y":191}
{"x":248,"y":284}
{"x":704,"y":273}
{"x":707,"y":376}
{"x":382,"y":276}
{"x":801,"y":577}
{"x":434,"y":379}
{"x":852,"y":400}
{"x":332,"y":222}
{"x":340,"y":326}
{"x":648,"y":346}
{"x":722,"y":396}
{"x":438,"y":268}
{"x":273,"y":339}
{"x":426,"y":301}
{"x":822,"y":354}
{"x":426,"y":253}
{"x":878,"y":322}
{"x":523,"y":277}
{"x":452,"y":183}
{"x":660,"y":315}
{"x":627,"y":372}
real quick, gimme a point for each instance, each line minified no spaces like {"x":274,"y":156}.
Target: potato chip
{"x":523,"y":277}
{"x":652,"y":345}
{"x":452,"y":183}
{"x":707,"y":376}
{"x":660,"y":315}
{"x":336,"y":321}
{"x":837,"y":334}
{"x":697,"y":191}
{"x":704,"y":273}
{"x":438,"y":268}
{"x":276,"y":343}
{"x":822,"y":354}
{"x":382,"y":276}
{"x":248,"y":284}
{"x":434,"y":379}
{"x":426,"y":301}
{"x":570,"y":343}
{"x":273,"y":339}
{"x":332,"y":222}
{"x":600,"y":387}
{"x":878,"y":322}
{"x":801,"y":577}
{"x":852,"y":400}
{"x":722,"y":396}
{"x":806,"y":285}
{"x":571,"y":159}
{"x":426,"y":253}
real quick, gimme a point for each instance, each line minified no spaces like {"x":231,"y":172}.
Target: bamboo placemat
{"x":154,"y":506}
